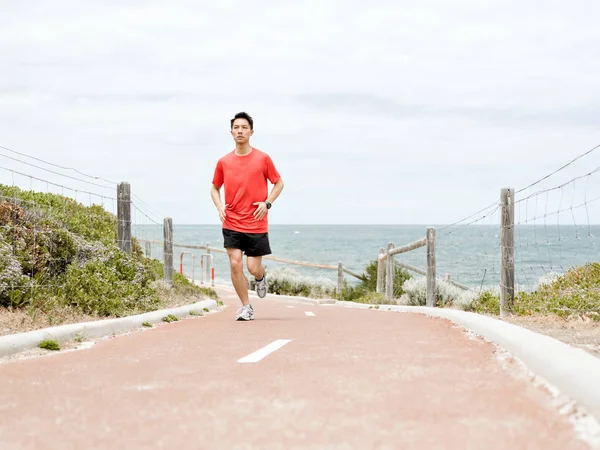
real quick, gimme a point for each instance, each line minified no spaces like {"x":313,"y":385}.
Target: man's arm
{"x":215,"y":194}
{"x":261,"y":207}
{"x":277,"y":188}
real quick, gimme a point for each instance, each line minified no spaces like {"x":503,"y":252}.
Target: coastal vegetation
{"x":59,"y":258}
{"x":287,"y":281}
{"x":575,"y":293}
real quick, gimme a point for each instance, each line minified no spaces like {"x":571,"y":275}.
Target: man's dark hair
{"x":243,"y":115}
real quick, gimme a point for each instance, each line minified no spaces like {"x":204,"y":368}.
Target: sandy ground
{"x":18,"y":321}
{"x":584,"y":334}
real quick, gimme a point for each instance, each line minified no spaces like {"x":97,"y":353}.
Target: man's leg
{"x":235,"y":244}
{"x":258,"y":246}
{"x":246,"y":312}
{"x":237,"y":274}
{"x":255,"y":266}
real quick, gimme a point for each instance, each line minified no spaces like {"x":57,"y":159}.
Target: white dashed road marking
{"x":309,"y":313}
{"x":266,"y":350}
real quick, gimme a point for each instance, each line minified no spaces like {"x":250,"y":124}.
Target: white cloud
{"x":403,"y":112}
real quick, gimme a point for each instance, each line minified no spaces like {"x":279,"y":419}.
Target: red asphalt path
{"x":347,"y":379}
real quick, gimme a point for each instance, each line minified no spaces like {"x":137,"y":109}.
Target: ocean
{"x":468,"y":254}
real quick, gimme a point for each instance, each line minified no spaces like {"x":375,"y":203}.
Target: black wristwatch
{"x":268,"y":204}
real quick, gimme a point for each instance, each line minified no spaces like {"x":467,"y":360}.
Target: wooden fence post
{"x":507,"y":252}
{"x":124,"y":217}
{"x":168,"y":250}
{"x":431,"y":282}
{"x":340,"y":280}
{"x":389,"y":275}
{"x":380,"y":271}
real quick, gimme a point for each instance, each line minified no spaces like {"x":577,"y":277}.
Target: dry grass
{"x":582,"y":333}
{"x":22,"y":320}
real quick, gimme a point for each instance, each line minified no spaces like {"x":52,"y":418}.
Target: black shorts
{"x":251,"y":244}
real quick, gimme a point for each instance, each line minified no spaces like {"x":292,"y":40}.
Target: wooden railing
{"x":386,"y":264}
{"x":386,"y":258}
{"x":339,"y":267}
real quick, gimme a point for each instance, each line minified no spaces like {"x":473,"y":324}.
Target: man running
{"x":244,"y":172}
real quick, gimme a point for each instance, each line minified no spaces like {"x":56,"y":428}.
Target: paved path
{"x":339,"y":379}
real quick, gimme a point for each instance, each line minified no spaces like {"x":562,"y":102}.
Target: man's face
{"x":241,"y":131}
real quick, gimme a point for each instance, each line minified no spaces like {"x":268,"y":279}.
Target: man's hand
{"x":222,"y":213}
{"x":261,"y":210}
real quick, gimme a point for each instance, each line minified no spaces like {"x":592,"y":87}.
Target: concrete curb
{"x":19,"y":342}
{"x":571,"y":370}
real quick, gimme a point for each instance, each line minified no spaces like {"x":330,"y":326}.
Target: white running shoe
{"x":245,"y":313}
{"x":262,"y":287}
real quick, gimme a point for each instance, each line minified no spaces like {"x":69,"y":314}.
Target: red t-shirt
{"x":245,"y":178}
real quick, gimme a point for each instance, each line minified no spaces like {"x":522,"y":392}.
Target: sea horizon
{"x":469,"y":254}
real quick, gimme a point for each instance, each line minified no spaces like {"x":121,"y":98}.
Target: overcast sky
{"x":374,"y":112}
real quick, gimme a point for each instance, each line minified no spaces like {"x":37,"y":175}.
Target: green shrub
{"x":286,"y":281}
{"x":368,"y":297}
{"x":366,"y":290}
{"x":486,"y":303}
{"x":183,"y":286}
{"x":15,"y":288}
{"x":56,"y":252}
{"x":92,"y":222}
{"x":114,"y":286}
{"x":49,"y":344}
{"x":575,"y":293}
{"x":354,"y":293}
{"x":370,"y":275}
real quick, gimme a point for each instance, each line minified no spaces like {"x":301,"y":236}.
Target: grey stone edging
{"x":15,"y":343}
{"x":573,"y":371}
